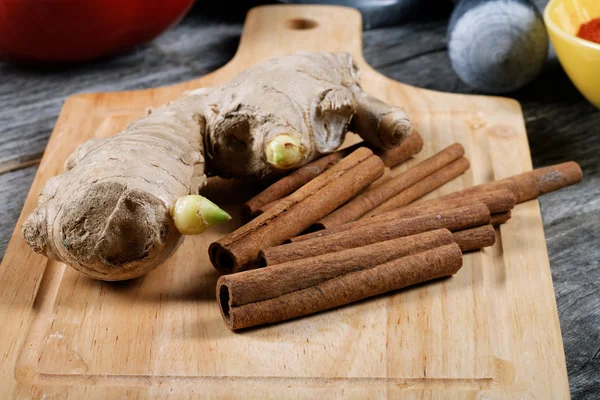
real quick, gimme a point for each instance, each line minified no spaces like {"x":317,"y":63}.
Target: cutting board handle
{"x":275,"y":30}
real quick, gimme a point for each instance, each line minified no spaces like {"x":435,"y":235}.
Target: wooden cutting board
{"x":491,"y":331}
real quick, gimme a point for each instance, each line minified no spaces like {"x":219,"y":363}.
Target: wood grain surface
{"x":561,"y":126}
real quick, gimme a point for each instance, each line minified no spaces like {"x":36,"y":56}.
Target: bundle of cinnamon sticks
{"x":287,"y":291}
{"x":294,"y":181}
{"x":342,"y":228}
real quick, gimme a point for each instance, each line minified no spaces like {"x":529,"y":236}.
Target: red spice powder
{"x":590,"y":31}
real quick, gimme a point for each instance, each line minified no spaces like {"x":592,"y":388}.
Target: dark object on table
{"x":375,"y":13}
{"x":497,"y":46}
{"x":79,"y":30}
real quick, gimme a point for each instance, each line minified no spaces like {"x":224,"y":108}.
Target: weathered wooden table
{"x":561,"y":125}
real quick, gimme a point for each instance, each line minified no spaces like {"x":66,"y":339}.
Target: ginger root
{"x":109,"y":214}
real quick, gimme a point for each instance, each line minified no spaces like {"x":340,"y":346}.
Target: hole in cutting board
{"x":301,"y":24}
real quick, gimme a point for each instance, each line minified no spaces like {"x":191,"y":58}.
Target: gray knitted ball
{"x":497,"y":46}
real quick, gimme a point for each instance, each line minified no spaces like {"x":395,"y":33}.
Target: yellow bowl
{"x":580,"y":58}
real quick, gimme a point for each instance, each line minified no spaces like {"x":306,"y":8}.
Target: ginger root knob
{"x":284,"y":151}
{"x":193,"y":214}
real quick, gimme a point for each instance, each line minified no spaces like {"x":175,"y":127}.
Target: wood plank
{"x":484,"y":332}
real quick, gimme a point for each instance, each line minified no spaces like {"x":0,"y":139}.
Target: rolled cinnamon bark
{"x":369,"y":200}
{"x":475,"y":238}
{"x":276,"y":280}
{"x":421,"y":188}
{"x":397,"y":155}
{"x":500,"y":218}
{"x":344,"y":289}
{"x":387,"y":175}
{"x":372,"y":232}
{"x":530,"y":185}
{"x":497,"y":201}
{"x":383,"y":179}
{"x":290,"y":183}
{"x":263,"y":209}
{"x":240,"y":249}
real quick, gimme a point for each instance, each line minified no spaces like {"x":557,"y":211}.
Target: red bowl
{"x":79,"y":30}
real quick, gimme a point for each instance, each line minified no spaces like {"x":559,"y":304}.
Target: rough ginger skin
{"x":108,"y":216}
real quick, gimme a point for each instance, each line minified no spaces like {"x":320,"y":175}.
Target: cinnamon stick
{"x":344,"y":289}
{"x":276,"y":280}
{"x":383,"y":179}
{"x":500,"y":218}
{"x":397,"y":155}
{"x":371,"y":199}
{"x":387,"y":175}
{"x":291,"y":183}
{"x":530,"y":185}
{"x":497,"y":201}
{"x":240,"y":249}
{"x":263,"y":209}
{"x":475,"y":238}
{"x":372,"y":232}
{"x":423,"y":187}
